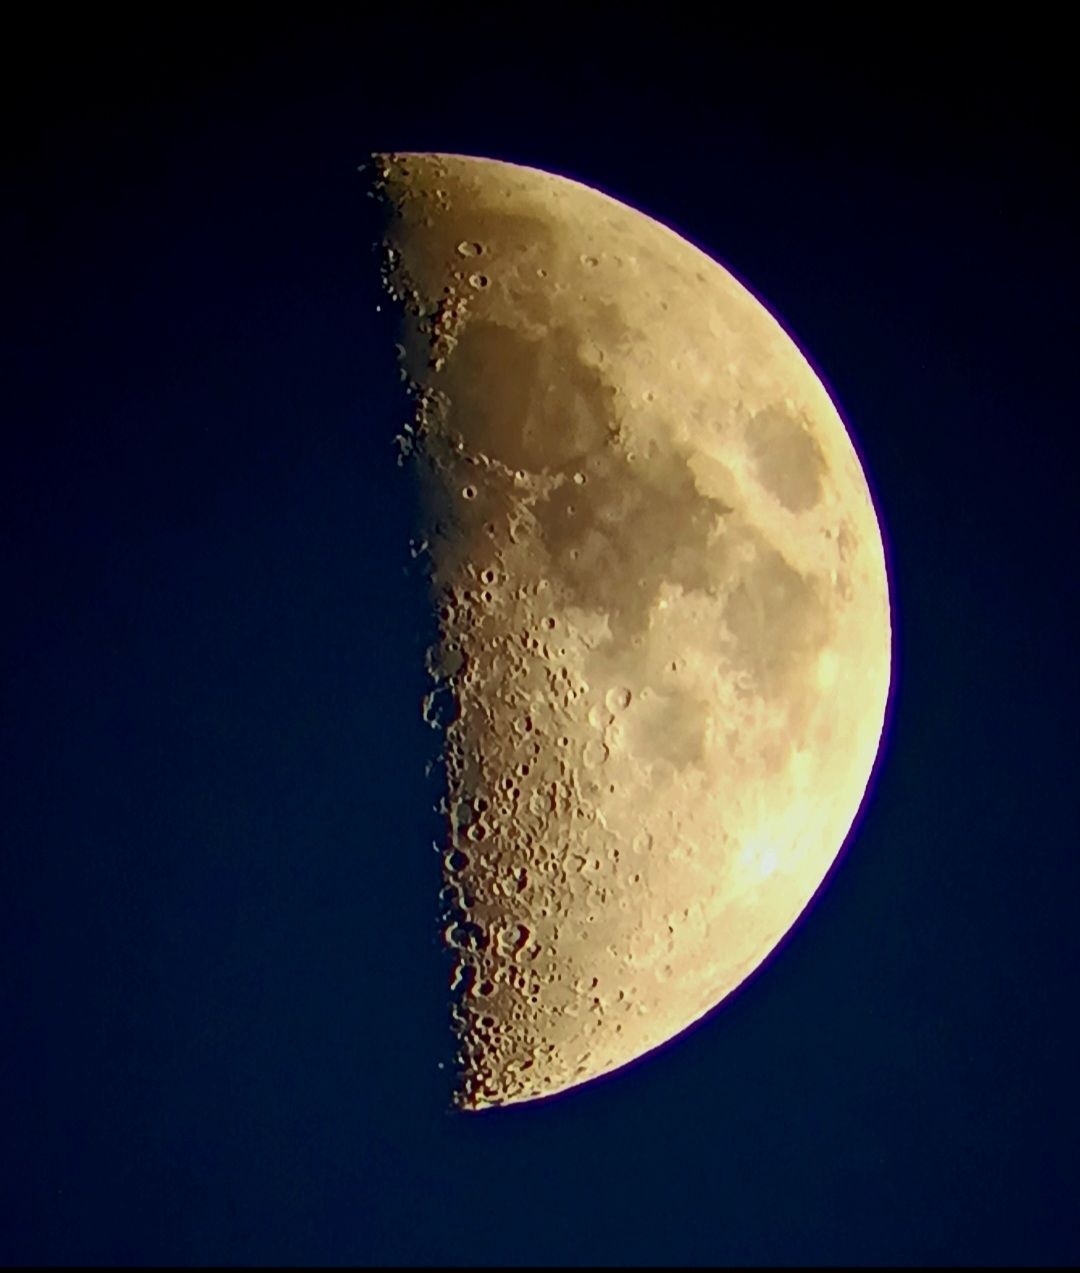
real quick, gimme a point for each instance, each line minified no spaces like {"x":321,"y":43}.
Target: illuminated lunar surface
{"x":664,"y":616}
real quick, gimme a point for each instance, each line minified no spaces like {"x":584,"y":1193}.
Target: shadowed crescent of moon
{"x":664,"y":615}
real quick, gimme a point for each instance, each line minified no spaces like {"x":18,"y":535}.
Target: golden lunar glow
{"x":664,"y":616}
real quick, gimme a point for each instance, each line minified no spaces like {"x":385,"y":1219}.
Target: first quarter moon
{"x":663,"y":613}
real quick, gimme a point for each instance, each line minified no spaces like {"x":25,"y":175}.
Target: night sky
{"x":222,"y":992}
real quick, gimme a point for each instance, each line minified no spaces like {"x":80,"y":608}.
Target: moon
{"x":664,"y":630}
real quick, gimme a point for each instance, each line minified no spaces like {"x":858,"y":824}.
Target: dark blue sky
{"x":221,"y":989}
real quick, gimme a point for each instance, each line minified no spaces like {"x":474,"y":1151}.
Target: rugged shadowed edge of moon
{"x":663,"y":614}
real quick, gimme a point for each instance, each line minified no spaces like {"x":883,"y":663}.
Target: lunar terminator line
{"x":664,"y":615}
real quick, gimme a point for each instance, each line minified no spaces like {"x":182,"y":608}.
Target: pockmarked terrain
{"x":664,"y":650}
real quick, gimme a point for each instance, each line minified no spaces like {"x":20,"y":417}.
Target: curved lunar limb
{"x":663,"y":608}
